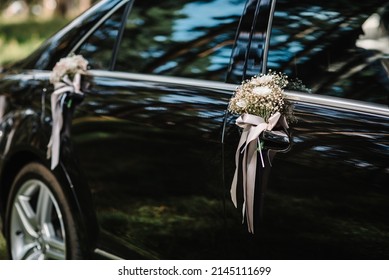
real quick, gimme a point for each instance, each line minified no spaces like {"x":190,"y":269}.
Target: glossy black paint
{"x":147,"y":161}
{"x":328,"y":195}
{"x":162,"y":145}
{"x":25,"y":132}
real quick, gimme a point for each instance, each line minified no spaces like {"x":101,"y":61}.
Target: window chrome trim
{"x":164,"y":79}
{"x":337,"y":102}
{"x":297,"y":97}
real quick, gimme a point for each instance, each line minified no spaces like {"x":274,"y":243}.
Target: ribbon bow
{"x":252,"y":126}
{"x":57,"y":100}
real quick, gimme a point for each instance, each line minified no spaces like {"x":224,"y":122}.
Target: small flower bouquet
{"x":68,"y":66}
{"x":262,"y":106}
{"x":262,"y":96}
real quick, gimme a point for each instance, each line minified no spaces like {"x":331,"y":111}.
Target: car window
{"x":191,"y":38}
{"x":338,"y":48}
{"x":99,"y":46}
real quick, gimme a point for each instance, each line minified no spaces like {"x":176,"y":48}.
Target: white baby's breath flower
{"x":262,"y":90}
{"x":242,"y":103}
{"x":265,"y":79}
{"x":262,"y":96}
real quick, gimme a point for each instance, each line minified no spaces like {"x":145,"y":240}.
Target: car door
{"x":147,"y":136}
{"x":327,"y":196}
{"x":153,"y":162}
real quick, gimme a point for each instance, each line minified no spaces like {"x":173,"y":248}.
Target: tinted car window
{"x":98,"y":48}
{"x":338,"y":48}
{"x":180,"y":38}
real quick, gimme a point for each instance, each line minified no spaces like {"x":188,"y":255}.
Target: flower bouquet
{"x":262,"y":106}
{"x":67,"y":68}
{"x":261,"y":96}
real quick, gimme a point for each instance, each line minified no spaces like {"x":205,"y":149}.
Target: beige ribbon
{"x":2,"y":107}
{"x":252,"y":126}
{"x":57,"y":99}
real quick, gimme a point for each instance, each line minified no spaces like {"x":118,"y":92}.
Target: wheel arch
{"x":10,"y":169}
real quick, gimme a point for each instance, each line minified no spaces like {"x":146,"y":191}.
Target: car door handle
{"x":277,"y":140}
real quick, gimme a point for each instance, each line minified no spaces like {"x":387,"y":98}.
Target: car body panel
{"x":328,"y":195}
{"x":165,"y":181}
{"x":147,"y":160}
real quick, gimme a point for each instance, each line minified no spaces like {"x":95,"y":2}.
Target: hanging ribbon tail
{"x":252,"y":126}
{"x":57,"y":99}
{"x":233,"y":190}
{"x":250,"y":184}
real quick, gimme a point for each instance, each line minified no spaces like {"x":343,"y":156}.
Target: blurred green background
{"x":25,"y":24}
{"x":19,"y":38}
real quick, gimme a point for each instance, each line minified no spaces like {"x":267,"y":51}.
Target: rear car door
{"x":328,"y":196}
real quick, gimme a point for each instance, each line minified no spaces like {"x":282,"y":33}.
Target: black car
{"x":147,"y":151}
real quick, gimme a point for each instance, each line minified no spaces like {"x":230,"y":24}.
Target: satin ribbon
{"x":252,"y":126}
{"x":2,"y":107}
{"x":57,"y":100}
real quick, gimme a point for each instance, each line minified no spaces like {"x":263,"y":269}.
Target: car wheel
{"x":39,"y":223}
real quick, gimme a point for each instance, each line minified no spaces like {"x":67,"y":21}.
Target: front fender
{"x":23,"y":139}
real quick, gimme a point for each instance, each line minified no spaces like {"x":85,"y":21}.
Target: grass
{"x":20,"y":38}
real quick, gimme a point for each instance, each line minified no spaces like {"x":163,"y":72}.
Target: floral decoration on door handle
{"x":66,"y":78}
{"x":261,"y":104}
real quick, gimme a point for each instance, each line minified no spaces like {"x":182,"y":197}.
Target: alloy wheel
{"x":36,"y":226}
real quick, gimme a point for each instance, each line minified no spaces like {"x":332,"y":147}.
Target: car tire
{"x":39,"y":221}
